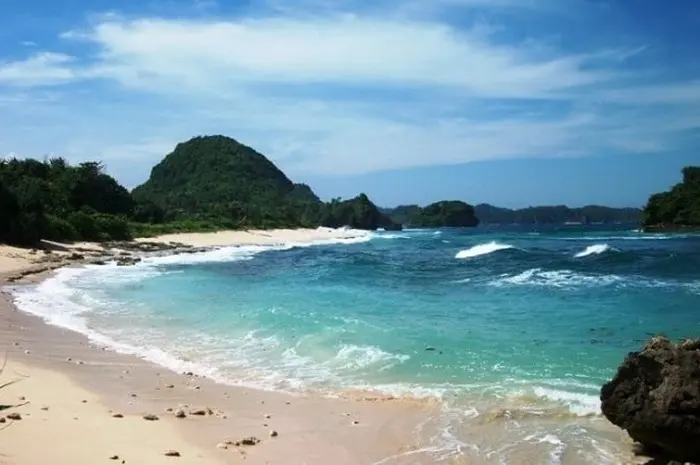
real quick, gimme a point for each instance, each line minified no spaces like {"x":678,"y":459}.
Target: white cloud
{"x":341,"y":49}
{"x":274,"y":83}
{"x":45,"y":68}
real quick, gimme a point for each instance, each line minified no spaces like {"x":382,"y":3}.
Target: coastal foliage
{"x":54,"y":200}
{"x":556,"y":214}
{"x":447,"y":213}
{"x":678,"y":207}
{"x":206,"y":184}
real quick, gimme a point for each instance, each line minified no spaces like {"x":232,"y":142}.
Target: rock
{"x":14,"y":416}
{"x":117,"y":415}
{"x":2,"y":420}
{"x":15,"y":344}
{"x":249,"y":441}
{"x":169,"y":410}
{"x":45,"y":407}
{"x":27,"y":352}
{"x":170,"y":386}
{"x":222,"y":445}
{"x":430,"y":349}
{"x":201,"y":411}
{"x":114,"y":457}
{"x":655,"y":397}
{"x":69,"y":359}
{"x":171,"y":453}
{"x":150,"y":417}
{"x":355,"y":422}
{"x":84,"y":401}
{"x":179,"y":413}
{"x":273,"y":434}
{"x":22,"y":398}
{"x":80,"y":362}
{"x":268,"y":416}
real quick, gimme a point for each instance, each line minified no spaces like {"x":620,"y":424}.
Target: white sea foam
{"x":595,"y":249}
{"x":355,"y":357}
{"x":577,"y":402}
{"x":482,"y":249}
{"x":573,"y":279}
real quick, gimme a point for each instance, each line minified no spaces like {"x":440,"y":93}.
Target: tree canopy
{"x":53,"y":200}
{"x":677,"y":207}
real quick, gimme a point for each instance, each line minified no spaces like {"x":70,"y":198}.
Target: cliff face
{"x":655,"y":397}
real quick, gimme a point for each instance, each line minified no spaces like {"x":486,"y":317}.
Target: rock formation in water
{"x":655,"y":397}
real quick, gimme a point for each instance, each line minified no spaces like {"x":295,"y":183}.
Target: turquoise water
{"x":531,"y":321}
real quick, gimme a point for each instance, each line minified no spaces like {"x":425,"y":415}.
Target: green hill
{"x":447,"y":213}
{"x":677,"y":208}
{"x":219,"y":180}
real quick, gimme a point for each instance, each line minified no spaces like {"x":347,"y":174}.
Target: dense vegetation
{"x":448,"y":213}
{"x":557,"y":214}
{"x":53,"y":200}
{"x":678,"y":207}
{"x":207,"y":183}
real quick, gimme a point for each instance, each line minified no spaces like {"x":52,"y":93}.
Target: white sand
{"x":256,"y":237}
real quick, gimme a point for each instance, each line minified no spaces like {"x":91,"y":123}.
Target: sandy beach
{"x":71,"y":401}
{"x":255,"y":237}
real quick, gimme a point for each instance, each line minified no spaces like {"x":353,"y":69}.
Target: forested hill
{"x":677,"y":208}
{"x":557,"y":214}
{"x":447,"y":213}
{"x":218,"y":179}
{"x":206,"y":183}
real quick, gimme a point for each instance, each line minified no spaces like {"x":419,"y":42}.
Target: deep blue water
{"x":535,"y":319}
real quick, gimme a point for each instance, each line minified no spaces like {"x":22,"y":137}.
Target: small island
{"x":447,"y":213}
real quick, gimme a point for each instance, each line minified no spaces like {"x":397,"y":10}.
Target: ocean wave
{"x":482,"y":249}
{"x":595,"y":249}
{"x":353,"y":357}
{"x":556,"y":278}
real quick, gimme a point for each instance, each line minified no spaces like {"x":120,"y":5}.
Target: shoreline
{"x":59,"y":368}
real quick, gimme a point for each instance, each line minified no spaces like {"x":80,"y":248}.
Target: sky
{"x":510,"y":102}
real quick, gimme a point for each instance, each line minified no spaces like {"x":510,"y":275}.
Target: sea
{"x":508,"y":332}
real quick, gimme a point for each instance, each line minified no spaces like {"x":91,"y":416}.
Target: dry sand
{"x":71,"y":389}
{"x":256,"y":237}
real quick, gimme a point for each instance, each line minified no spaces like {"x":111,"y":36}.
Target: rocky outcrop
{"x":655,"y":397}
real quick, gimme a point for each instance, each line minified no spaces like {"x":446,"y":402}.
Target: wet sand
{"x":58,"y":369}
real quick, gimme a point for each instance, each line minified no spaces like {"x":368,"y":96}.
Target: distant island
{"x":678,"y":208}
{"x":215,"y":182}
{"x":557,"y":214}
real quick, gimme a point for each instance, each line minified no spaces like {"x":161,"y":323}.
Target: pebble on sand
{"x":273,"y":434}
{"x":80,"y":362}
{"x":170,"y":386}
{"x":45,"y":407}
{"x":22,"y":398}
{"x":69,"y":359}
{"x":222,"y":445}
{"x":355,"y":422}
{"x":27,"y":352}
{"x":179,"y":413}
{"x":150,"y":417}
{"x":2,"y":420}
{"x":114,"y":457}
{"x":249,"y":441}
{"x":171,"y":453}
{"x":14,"y":416}
{"x":117,"y":415}
{"x":267,"y":415}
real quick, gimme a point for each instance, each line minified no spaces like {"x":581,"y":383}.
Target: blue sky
{"x":511,"y":102}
